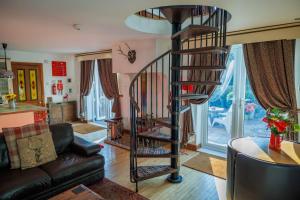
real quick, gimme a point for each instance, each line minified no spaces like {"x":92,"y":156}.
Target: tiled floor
{"x":218,"y":134}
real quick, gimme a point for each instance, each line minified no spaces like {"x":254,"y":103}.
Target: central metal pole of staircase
{"x":175,"y":177}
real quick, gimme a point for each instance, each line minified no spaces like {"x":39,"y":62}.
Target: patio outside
{"x":220,"y":116}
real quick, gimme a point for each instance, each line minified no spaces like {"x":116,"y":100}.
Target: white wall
{"x":147,"y":50}
{"x":145,"y":53}
{"x":45,"y":59}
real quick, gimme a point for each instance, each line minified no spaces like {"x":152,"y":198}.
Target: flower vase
{"x":275,"y":142}
{"x":12,"y":104}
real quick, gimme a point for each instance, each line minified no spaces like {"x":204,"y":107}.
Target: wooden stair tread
{"x":156,"y":135}
{"x":197,"y":83}
{"x":149,"y":152}
{"x":193,"y":96}
{"x":146,"y":172}
{"x":164,"y":122}
{"x":194,"y":30}
{"x":212,"y":68}
{"x":201,"y":50}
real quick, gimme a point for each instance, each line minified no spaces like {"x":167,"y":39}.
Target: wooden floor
{"x":195,"y":185}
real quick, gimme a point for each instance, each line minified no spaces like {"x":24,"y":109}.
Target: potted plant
{"x":279,"y":123}
{"x":11,"y":99}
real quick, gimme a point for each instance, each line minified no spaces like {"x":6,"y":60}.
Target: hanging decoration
{"x":131,"y":54}
{"x":33,"y":84}
{"x":21,"y":85}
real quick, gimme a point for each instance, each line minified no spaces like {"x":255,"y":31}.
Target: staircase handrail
{"x":132,"y":100}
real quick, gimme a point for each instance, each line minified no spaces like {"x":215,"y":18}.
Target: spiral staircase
{"x":163,"y":89}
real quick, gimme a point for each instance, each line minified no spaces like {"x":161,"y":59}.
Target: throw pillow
{"x":36,"y":150}
{"x":12,"y":134}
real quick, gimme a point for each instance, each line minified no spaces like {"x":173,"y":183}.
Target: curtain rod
{"x":264,"y":28}
{"x":258,"y":29}
{"x":94,"y":53}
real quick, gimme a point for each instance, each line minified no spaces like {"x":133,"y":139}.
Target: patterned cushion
{"x":36,"y":150}
{"x":12,"y":134}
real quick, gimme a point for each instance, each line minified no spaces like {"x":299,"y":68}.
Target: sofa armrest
{"x":83,"y":147}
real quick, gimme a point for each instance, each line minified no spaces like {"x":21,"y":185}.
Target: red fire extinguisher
{"x":54,"y":91}
{"x":60,"y":86}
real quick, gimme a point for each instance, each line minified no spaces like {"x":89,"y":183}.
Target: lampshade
{"x":4,"y":73}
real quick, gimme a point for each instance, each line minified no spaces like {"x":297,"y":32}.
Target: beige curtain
{"x":86,"y":80}
{"x":270,"y":68}
{"x":187,"y":129}
{"x":109,"y":83}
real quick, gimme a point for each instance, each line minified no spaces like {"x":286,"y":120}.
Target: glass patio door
{"x":253,"y":114}
{"x":97,"y":106}
{"x":101,"y":105}
{"x":233,"y":110}
{"x":224,"y":111}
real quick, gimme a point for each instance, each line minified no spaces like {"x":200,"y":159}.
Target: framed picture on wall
{"x":59,"y":68}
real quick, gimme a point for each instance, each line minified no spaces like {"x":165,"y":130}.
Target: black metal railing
{"x":152,"y":13}
{"x":150,"y":91}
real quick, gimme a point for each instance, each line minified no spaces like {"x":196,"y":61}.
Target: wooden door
{"x":28,"y":82}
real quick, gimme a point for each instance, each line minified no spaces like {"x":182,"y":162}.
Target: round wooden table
{"x":257,"y":148}
{"x":256,"y":172}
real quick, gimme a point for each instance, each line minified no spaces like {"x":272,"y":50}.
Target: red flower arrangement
{"x":277,"y":120}
{"x":279,"y":123}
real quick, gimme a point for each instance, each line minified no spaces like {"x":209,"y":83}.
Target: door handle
{"x":242,"y":102}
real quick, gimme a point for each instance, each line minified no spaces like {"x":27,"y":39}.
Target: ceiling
{"x":46,"y":25}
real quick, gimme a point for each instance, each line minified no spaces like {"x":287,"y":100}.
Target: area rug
{"x":112,"y":191}
{"x":209,"y":164}
{"x":86,"y":128}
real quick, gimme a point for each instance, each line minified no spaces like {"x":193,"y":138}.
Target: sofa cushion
{"x":4,"y":161}
{"x":63,"y":136}
{"x":19,"y":184}
{"x":69,"y":165}
{"x":12,"y":134}
{"x":36,"y":150}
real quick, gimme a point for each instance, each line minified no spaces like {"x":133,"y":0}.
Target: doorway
{"x":233,"y":110}
{"x":28,"y":83}
{"x":97,"y":106}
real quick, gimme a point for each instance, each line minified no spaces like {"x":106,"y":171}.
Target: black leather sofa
{"x":78,"y":162}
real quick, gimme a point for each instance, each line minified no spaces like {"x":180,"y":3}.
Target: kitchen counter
{"x":20,"y":108}
{"x":22,"y":115}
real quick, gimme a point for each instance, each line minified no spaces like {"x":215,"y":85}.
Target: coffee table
{"x":79,"y":192}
